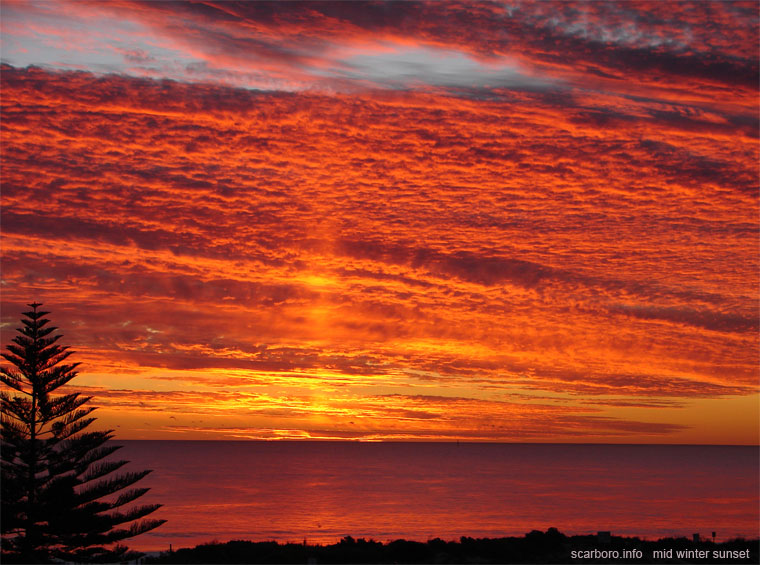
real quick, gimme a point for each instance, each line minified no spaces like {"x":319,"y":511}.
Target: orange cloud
{"x":391,"y":249}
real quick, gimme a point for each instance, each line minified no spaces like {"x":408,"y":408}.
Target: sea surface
{"x":323,"y":491}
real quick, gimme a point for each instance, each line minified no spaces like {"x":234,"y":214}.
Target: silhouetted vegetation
{"x":551,"y":546}
{"x":54,"y":476}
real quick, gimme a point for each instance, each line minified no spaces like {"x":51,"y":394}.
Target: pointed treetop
{"x":35,"y":315}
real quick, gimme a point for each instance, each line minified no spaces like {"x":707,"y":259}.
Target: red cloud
{"x":579,"y":245}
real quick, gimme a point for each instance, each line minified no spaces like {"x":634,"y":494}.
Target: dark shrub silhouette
{"x":59,"y":499}
{"x":551,"y":546}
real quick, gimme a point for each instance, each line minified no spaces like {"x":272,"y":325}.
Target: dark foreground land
{"x":551,"y":546}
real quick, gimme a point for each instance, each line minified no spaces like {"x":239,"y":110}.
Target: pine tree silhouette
{"x":59,"y":499}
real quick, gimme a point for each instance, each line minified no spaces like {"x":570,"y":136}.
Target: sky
{"x":381,"y":221}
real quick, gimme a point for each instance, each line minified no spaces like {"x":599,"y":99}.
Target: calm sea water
{"x":322,"y":491}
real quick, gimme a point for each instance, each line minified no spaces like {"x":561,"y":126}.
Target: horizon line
{"x":453,"y":442}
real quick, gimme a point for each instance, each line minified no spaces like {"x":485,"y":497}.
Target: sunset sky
{"x":390,"y":221}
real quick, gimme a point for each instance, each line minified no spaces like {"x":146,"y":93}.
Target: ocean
{"x":323,"y":491}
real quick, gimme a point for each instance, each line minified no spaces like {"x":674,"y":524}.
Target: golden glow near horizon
{"x":330,"y":225}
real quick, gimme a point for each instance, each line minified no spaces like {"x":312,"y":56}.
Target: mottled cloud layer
{"x":391,"y":220}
